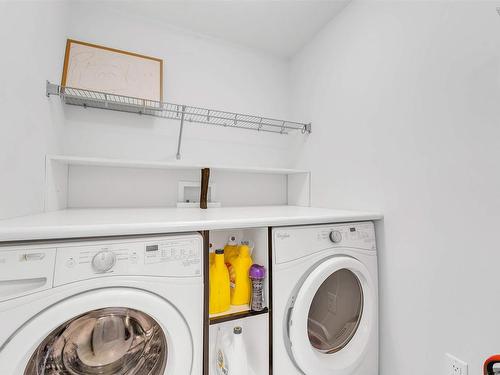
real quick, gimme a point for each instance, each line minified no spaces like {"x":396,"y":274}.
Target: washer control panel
{"x":174,"y":256}
{"x":357,"y":236}
{"x":291,"y":243}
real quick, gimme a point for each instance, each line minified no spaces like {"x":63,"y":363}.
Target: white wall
{"x":31,"y":35}
{"x":198,"y":71}
{"x":131,"y":187}
{"x":404,"y":99}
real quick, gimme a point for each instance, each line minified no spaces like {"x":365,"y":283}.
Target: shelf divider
{"x":234,"y":314}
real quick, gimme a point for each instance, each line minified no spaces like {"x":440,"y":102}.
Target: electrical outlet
{"x":455,"y":366}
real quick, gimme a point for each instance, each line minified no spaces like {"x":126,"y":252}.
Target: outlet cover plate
{"x":455,"y":366}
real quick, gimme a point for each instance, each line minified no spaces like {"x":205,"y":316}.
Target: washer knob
{"x":103,"y":261}
{"x":335,"y":236}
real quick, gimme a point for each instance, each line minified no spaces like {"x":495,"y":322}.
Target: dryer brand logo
{"x":282,"y":235}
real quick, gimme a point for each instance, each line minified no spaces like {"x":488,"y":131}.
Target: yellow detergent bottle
{"x":231,"y":250}
{"x":219,"y":298}
{"x":241,"y":286}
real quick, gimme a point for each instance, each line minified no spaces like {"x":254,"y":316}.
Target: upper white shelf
{"x":144,"y":164}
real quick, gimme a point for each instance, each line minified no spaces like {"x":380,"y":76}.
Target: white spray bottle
{"x":239,"y":360}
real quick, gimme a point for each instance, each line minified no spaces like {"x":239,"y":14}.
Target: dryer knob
{"x":103,"y":261}
{"x":335,"y":236}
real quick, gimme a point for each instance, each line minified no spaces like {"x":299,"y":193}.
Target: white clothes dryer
{"x":114,"y":306}
{"x":325,"y":300}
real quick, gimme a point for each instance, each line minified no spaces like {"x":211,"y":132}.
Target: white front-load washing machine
{"x":129,"y":306}
{"x":325,"y":300}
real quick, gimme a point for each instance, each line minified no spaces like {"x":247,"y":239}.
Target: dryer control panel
{"x":291,"y":243}
{"x":168,"y":256}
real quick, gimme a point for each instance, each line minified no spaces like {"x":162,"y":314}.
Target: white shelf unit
{"x":255,"y":327}
{"x":84,"y":182}
{"x":124,"y":163}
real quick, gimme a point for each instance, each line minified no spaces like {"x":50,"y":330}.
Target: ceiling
{"x":279,"y":27}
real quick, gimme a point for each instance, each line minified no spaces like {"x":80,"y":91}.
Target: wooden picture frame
{"x":97,"y":68}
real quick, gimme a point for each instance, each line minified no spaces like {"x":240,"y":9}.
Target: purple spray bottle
{"x":257,"y":275}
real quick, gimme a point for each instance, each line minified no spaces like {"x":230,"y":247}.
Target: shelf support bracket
{"x":307,"y":128}
{"x":181,"y":127}
{"x":51,"y":89}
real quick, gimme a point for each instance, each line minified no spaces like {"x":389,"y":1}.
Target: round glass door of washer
{"x":335,"y":312}
{"x":106,"y":331}
{"x":108,"y":341}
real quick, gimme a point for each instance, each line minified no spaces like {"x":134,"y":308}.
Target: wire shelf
{"x":182,"y":113}
{"x":96,"y":99}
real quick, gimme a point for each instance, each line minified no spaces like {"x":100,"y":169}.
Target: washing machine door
{"x":332,"y":317}
{"x":111,"y":331}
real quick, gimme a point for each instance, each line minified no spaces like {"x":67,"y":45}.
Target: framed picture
{"x":92,"y":67}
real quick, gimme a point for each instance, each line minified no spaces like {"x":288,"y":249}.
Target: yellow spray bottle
{"x":241,"y":286}
{"x":219,"y":298}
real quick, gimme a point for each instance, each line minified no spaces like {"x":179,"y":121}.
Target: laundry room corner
{"x":404,"y":95}
{"x":249,"y":187}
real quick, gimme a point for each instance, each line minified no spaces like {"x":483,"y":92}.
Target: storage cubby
{"x":256,"y":334}
{"x":255,"y":337}
{"x":260,"y":255}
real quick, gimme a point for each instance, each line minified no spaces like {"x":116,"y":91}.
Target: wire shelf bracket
{"x":179,"y":112}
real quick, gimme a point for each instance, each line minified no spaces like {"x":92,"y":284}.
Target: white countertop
{"x":74,"y":223}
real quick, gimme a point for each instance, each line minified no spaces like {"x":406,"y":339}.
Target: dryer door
{"x":331,"y":319}
{"x":107,"y":332}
